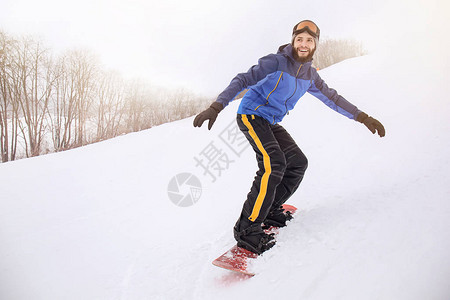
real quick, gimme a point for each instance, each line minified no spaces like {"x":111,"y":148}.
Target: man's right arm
{"x":266,"y":65}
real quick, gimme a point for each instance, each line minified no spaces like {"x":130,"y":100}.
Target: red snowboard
{"x":236,"y":259}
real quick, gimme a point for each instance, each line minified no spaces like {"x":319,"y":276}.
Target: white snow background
{"x":373,"y":219}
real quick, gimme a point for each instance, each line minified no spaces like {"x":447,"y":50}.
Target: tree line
{"x":53,"y":103}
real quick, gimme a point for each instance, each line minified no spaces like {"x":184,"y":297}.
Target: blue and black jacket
{"x":276,"y":84}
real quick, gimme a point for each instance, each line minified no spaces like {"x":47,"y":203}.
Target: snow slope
{"x":373,"y":222}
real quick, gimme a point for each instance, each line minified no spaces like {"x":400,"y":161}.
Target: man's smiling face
{"x":304,"y":46}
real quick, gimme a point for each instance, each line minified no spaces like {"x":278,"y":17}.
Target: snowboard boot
{"x":252,"y":237}
{"x":277,"y":218}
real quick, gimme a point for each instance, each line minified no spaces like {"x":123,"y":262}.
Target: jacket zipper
{"x":267,"y":98}
{"x":295,"y":90}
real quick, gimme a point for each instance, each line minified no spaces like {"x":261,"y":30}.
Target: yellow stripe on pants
{"x":267,"y":170}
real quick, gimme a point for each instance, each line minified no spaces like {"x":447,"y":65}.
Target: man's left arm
{"x":332,"y":99}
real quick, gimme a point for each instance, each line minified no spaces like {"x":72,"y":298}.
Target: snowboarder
{"x":274,"y":86}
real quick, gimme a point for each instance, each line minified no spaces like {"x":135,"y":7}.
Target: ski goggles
{"x":306,"y":25}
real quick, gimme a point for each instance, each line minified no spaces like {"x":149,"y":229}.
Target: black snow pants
{"x":281,"y":166}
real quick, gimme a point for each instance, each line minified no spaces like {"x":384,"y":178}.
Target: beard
{"x":305,"y":58}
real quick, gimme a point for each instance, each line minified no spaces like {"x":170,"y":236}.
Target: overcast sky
{"x":203,"y":44}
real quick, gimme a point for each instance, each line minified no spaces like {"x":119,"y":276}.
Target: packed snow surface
{"x":373,"y":217}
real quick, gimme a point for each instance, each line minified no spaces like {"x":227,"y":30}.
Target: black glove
{"x":208,"y":114}
{"x":371,"y":123}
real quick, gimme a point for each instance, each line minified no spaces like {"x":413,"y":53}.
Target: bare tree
{"x":135,"y":106}
{"x":62,"y":113}
{"x":32,"y":80}
{"x":8,"y":108}
{"x":74,"y":91}
{"x":84,"y":69}
{"x":110,"y":106}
